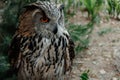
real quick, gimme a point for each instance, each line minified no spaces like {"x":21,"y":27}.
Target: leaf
{"x":84,"y":75}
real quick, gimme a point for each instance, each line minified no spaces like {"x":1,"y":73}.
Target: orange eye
{"x":44,"y":20}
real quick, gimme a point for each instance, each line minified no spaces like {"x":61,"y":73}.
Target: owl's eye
{"x":44,"y":20}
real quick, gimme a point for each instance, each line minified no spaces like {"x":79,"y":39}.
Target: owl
{"x":41,"y":48}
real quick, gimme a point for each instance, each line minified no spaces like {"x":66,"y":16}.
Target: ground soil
{"x":100,"y":58}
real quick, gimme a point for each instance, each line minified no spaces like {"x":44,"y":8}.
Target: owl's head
{"x":44,"y":18}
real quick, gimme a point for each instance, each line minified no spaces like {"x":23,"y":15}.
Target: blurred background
{"x":94,"y":25}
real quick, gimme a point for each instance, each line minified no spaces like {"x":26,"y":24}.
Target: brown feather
{"x":26,"y":26}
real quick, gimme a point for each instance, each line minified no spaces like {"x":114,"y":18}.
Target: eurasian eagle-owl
{"x":41,"y":48}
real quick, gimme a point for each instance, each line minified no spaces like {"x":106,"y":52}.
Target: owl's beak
{"x":55,"y":30}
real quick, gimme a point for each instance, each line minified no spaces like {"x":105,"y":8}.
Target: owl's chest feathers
{"x":45,"y":54}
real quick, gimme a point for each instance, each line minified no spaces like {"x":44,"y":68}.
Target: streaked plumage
{"x":42,"y":49}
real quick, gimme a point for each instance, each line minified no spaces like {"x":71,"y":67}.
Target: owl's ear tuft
{"x":60,"y":6}
{"x":29,"y":7}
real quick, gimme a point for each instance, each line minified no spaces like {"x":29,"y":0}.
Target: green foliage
{"x":4,"y":65}
{"x":84,"y":75}
{"x":71,"y":7}
{"x":114,"y":7}
{"x":104,"y":31}
{"x":92,"y":7}
{"x":80,"y":34}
